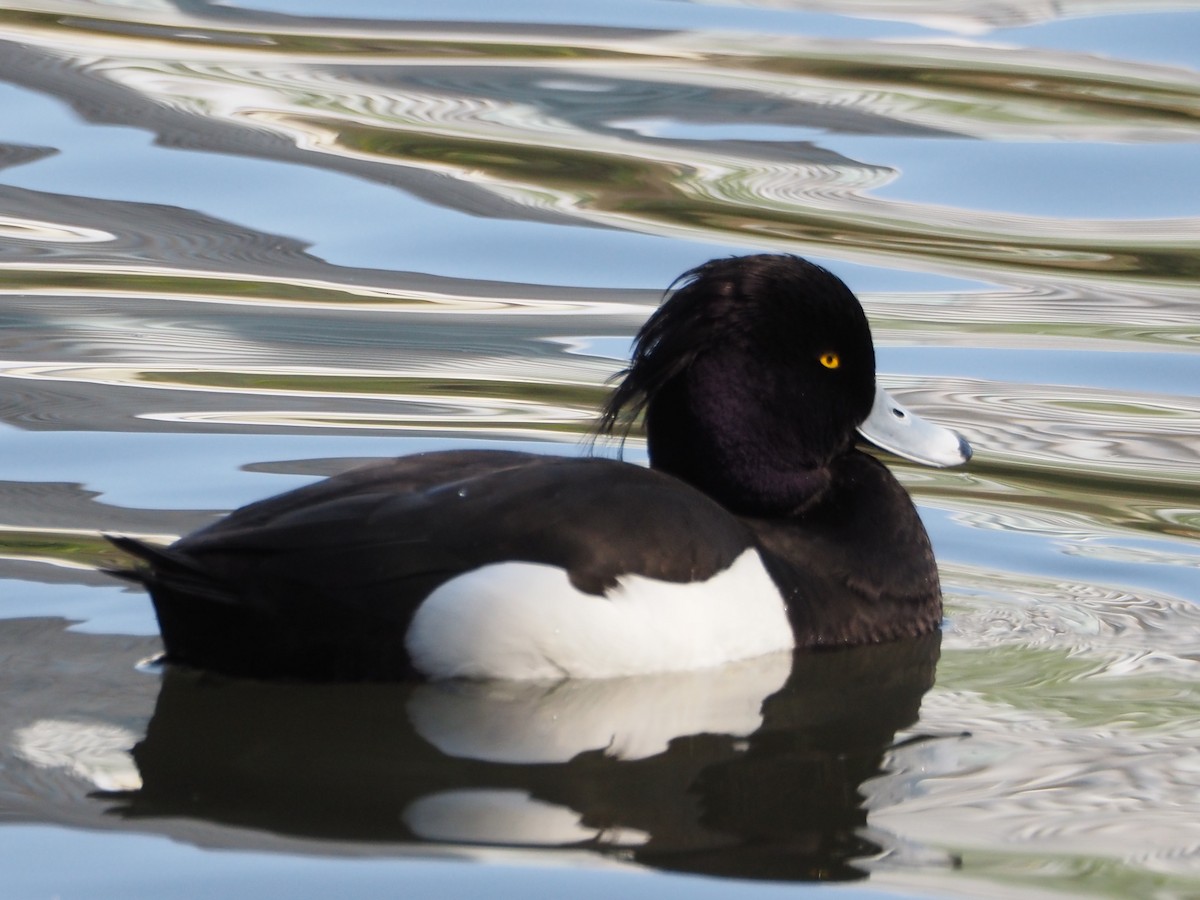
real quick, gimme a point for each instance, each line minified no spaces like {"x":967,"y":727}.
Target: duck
{"x":759,"y":526}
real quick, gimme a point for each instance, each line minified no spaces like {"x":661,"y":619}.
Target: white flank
{"x":527,"y":621}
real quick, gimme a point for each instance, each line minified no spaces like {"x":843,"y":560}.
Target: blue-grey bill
{"x":891,"y":427}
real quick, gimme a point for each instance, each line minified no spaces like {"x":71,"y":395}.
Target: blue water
{"x":244,"y":247}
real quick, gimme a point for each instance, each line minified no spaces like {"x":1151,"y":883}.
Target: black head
{"x":753,"y":376}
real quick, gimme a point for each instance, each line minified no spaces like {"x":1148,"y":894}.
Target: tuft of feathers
{"x":722,"y":302}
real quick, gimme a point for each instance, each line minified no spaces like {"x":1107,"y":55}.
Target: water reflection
{"x":752,"y":770}
{"x":565,"y":125}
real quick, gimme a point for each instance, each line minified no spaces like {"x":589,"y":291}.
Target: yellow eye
{"x":830,"y":360}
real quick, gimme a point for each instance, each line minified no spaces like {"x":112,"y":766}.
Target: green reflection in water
{"x":65,"y":547}
{"x":669,"y":195}
{"x":307,"y":42}
{"x":1108,"y":501}
{"x":659,"y":186}
{"x":1074,"y":685}
{"x":580,"y":399}
{"x":187,"y":285}
{"x":1073,"y":876}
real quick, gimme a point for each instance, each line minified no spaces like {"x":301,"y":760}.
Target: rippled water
{"x":241,"y":247}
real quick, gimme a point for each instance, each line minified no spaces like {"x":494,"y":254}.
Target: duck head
{"x":755,"y":375}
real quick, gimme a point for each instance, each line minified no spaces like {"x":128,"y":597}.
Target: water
{"x":245,"y":246}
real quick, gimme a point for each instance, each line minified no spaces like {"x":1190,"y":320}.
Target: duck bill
{"x":891,"y":427}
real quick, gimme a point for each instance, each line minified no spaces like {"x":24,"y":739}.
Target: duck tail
{"x":166,"y":570}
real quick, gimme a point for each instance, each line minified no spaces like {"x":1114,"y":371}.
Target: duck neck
{"x":735,"y":439}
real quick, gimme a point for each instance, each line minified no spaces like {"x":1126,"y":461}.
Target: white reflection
{"x":507,"y":817}
{"x":95,"y":751}
{"x":13,"y":228}
{"x":626,"y":718}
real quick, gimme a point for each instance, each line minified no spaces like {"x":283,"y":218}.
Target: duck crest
{"x":728,"y":373}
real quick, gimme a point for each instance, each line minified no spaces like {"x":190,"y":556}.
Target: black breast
{"x":856,"y":567}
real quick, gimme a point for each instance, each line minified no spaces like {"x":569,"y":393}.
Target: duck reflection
{"x":749,"y":770}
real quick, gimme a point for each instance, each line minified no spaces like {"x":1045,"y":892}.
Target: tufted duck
{"x":758,"y":527}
